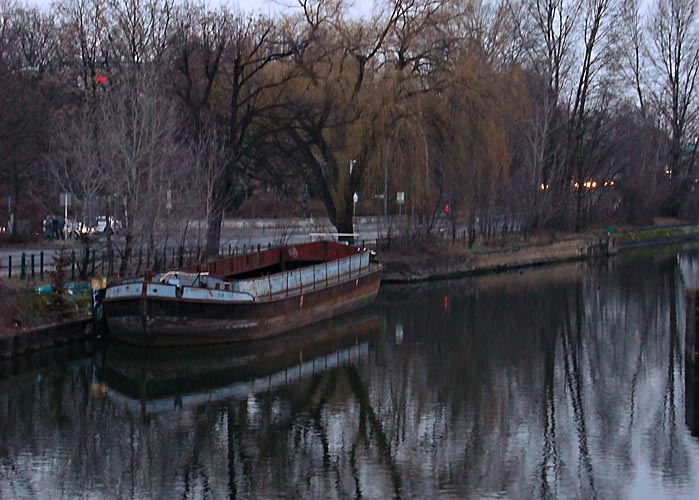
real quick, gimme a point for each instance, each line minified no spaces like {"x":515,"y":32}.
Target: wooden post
{"x":9,"y":267}
{"x":32,"y":259}
{"x":41,"y":265}
{"x":22,"y":267}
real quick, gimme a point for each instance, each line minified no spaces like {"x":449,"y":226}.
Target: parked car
{"x":103,"y":226}
{"x":75,"y":228}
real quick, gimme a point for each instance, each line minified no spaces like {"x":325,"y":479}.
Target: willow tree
{"x":419,"y":59}
{"x":478,"y":109}
{"x":331,"y":102}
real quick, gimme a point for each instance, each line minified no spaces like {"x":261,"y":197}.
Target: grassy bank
{"x":23,"y":308}
{"x":655,"y":235}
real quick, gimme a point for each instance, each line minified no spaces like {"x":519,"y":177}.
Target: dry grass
{"x":9,"y":310}
{"x":22,"y":308}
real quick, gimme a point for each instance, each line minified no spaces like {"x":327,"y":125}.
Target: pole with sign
{"x":65,"y":201}
{"x":168,"y":207}
{"x":400,"y":200}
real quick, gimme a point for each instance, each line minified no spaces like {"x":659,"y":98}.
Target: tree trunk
{"x":578,"y":209}
{"x":344,"y":223}
{"x":126,"y":256}
{"x":14,"y":235}
{"x":213,"y":230}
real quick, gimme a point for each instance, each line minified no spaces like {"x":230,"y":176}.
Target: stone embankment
{"x":401,"y":268}
{"x":409,"y":269}
{"x":21,"y":341}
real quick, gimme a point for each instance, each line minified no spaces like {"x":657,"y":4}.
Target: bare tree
{"x":674,"y":49}
{"x":591,"y":90}
{"x":547,"y":32}
{"x":132,"y":163}
{"x":233,"y":53}
{"x":84,"y":25}
{"x":139,"y":31}
{"x":28,"y":49}
{"x":633,"y":50}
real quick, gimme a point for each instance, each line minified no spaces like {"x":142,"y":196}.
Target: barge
{"x":243,"y":297}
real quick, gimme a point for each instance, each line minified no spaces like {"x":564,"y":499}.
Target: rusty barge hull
{"x":227,"y":310}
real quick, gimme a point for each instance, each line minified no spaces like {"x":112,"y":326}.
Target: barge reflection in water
{"x":163,"y":379}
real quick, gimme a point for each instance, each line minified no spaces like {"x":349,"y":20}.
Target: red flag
{"x":446,"y":208}
{"x":100,"y":79}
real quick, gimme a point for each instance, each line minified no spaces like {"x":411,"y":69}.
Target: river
{"x":559,"y":382}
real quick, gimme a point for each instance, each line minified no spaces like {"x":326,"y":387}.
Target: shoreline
{"x":15,"y":343}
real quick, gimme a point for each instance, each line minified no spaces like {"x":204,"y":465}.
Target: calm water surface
{"x":564,"y":382}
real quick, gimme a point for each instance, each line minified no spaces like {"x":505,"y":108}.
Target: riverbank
{"x":412,"y":265}
{"x":32,"y":319}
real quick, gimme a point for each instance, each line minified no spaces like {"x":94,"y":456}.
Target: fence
{"x":76,"y":265}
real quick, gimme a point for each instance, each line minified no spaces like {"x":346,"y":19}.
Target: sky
{"x":358,"y":7}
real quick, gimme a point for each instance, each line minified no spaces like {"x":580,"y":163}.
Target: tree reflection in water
{"x":565,"y":382}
